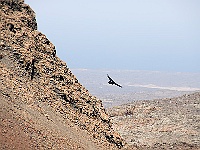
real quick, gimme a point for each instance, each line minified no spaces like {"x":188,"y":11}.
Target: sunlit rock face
{"x":41,"y":94}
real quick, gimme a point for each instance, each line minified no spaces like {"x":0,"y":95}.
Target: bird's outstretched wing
{"x":118,"y":85}
{"x":110,"y":78}
{"x":111,"y":81}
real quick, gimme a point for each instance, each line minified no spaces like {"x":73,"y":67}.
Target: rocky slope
{"x":172,"y":123}
{"x":42,"y":104}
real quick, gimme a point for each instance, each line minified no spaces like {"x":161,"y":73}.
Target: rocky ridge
{"x":171,"y":123}
{"x":42,"y":102}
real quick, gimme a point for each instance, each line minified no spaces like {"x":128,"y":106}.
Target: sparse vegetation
{"x":171,"y":123}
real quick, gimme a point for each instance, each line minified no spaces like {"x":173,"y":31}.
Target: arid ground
{"x":171,"y":123}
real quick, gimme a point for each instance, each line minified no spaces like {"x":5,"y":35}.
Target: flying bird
{"x":111,"y":81}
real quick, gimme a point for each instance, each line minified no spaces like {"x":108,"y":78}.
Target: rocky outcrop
{"x":36,"y":84}
{"x":171,"y":123}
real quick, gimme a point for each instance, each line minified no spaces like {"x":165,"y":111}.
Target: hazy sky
{"x":162,"y":35}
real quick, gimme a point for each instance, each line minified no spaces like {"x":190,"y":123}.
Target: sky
{"x":157,"y":35}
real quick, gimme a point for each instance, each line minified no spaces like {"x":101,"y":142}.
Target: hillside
{"x":171,"y":123}
{"x":42,"y":104}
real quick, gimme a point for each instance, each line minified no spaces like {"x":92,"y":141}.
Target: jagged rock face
{"x":31,"y":74}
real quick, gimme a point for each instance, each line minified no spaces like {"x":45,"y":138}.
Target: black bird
{"x":111,"y":81}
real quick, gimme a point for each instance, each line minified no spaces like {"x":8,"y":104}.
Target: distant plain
{"x":137,"y":85}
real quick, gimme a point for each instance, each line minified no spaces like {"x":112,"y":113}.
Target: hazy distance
{"x":115,"y":34}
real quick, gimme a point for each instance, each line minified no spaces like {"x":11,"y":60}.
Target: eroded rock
{"x":37,"y":81}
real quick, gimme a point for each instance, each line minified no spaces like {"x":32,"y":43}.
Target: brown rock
{"x":44,"y":103}
{"x":160,"y":124}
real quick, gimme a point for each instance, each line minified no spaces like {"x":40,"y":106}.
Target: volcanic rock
{"x":42,"y":104}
